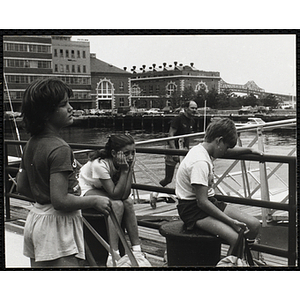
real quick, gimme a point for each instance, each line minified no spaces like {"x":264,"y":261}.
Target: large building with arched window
{"x":110,"y":85}
{"x":153,"y":87}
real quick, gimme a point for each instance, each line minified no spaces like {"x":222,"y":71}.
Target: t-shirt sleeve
{"x":100,"y":170}
{"x":175,"y":122}
{"x":61,"y":159}
{"x":200,"y":173}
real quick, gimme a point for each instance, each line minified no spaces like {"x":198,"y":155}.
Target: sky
{"x":268,"y":60}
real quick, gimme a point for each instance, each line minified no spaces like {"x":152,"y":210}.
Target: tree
{"x":212,"y":98}
{"x":270,"y":101}
{"x":250,"y":100}
{"x":188,"y":94}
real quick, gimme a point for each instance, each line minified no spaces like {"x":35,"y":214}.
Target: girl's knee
{"x":117,"y":206}
{"x":128,"y":203}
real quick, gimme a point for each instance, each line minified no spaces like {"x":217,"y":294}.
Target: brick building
{"x":152,"y":87}
{"x":110,"y":85}
{"x":95,"y":83}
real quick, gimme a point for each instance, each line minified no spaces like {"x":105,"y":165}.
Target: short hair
{"x":40,"y":100}
{"x":224,"y":128}
{"x":115,"y":142}
{"x":186,"y":104}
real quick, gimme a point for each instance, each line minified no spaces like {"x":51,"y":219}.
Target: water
{"x":150,"y":167}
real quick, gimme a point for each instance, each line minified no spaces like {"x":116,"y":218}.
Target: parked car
{"x":153,"y":111}
{"x":10,"y":115}
{"x":78,"y":113}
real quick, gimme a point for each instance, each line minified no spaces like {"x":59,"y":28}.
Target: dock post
{"x":264,"y":187}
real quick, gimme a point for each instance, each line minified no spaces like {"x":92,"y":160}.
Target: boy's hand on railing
{"x":257,"y":152}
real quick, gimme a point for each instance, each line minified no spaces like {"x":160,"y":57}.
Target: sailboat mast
{"x":14,"y":118}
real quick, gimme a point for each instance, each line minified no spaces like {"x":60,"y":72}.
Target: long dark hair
{"x":115,"y":142}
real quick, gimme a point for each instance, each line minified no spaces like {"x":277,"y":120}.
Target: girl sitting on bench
{"x":109,"y":173}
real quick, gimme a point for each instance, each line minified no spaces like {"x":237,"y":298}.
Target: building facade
{"x":71,"y":64}
{"x":25,"y":59}
{"x":110,"y":87}
{"x":153,"y":87}
{"x":28,"y":58}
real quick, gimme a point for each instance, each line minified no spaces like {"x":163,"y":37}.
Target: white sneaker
{"x":109,"y":262}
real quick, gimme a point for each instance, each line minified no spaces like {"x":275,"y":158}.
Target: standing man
{"x":182,"y":124}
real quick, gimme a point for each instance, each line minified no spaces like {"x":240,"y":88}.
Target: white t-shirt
{"x":91,"y":173}
{"x":196,"y":168}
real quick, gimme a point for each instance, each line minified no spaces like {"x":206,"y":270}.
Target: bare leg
{"x":62,"y":262}
{"x":253,"y":224}
{"x":131,"y":222}
{"x":118,"y":208}
{"x":169,"y":173}
{"x":220,"y":229}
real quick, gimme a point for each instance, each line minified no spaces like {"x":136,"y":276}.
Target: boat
{"x":268,"y":126}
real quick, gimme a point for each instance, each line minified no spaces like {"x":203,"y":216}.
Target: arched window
{"x":105,"y":94}
{"x":171,"y":88}
{"x":135,"y":90}
{"x":104,"y":90}
{"x":201,"y":86}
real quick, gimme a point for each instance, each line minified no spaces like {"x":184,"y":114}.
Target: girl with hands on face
{"x":109,"y":173}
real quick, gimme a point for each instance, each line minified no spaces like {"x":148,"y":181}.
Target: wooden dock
{"x":153,"y":244}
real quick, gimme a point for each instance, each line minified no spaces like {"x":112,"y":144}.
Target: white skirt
{"x":50,"y":234}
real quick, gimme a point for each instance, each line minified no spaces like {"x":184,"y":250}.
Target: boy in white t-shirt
{"x":194,"y":186}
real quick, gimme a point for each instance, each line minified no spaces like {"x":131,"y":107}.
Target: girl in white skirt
{"x":53,"y":235}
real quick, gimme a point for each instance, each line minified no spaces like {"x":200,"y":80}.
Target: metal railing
{"x":290,"y":207}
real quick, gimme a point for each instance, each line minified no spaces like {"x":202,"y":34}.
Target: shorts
{"x":50,"y":234}
{"x":190,"y":212}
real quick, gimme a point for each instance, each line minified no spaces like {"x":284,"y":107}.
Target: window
{"x":73,"y":68}
{"x":41,"y":64}
{"x":151,"y":89}
{"x":83,"y":54}
{"x":104,"y":90}
{"x":67,"y":53}
{"x":157,"y":89}
{"x":78,"y":69}
{"x":201,"y":86}
{"x":84,"y":68}
{"x":67,"y":69}
{"x":72,"y":54}
{"x":61,"y":52}
{"x":121,"y":102}
{"x":55,"y":68}
{"x":55,"y":52}
{"x":135,"y":90}
{"x":78,"y":54}
{"x":121,"y":86}
{"x":171,"y":88}
{"x":61,"y":68}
